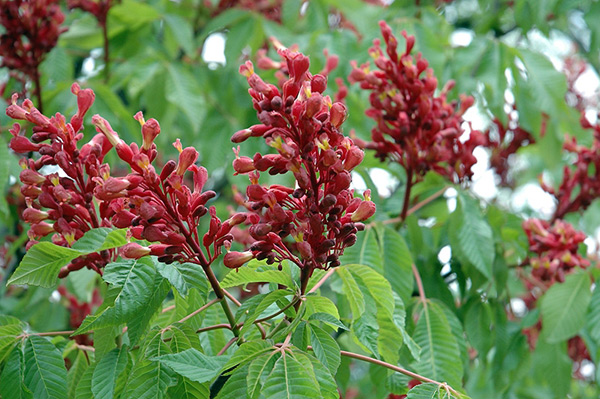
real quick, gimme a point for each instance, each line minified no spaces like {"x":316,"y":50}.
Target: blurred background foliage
{"x":177,"y":61}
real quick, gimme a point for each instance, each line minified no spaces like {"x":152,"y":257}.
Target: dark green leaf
{"x":193,"y":364}
{"x":45,"y":372}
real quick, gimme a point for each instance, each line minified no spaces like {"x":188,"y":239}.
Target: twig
{"x":199,"y":310}
{"x":232,"y":298}
{"x":419,"y":285}
{"x":414,"y":208}
{"x":280,"y":311}
{"x":322,"y":280}
{"x":227,"y":346}
{"x":215,"y":327}
{"x":85,"y":348}
{"x":52,"y":333}
{"x":399,"y":370}
{"x":168,"y":308}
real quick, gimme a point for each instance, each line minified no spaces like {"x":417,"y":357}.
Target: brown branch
{"x":200,"y":310}
{"x":419,"y":285}
{"x":215,"y":327}
{"x":227,"y":346}
{"x":322,"y":280}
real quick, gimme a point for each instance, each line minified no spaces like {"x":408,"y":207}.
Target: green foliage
{"x":458,"y":319}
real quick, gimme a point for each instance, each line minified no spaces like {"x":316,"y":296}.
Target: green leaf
{"x":188,"y":389}
{"x":134,"y":281}
{"x":75,"y":373}
{"x":183,"y":32}
{"x":183,"y":92}
{"x":320,"y":304}
{"x":247,"y":352}
{"x":45,"y":372}
{"x":552,"y":365}
{"x":194,"y":364}
{"x":148,"y":380}
{"x":326,"y":348}
{"x":258,"y":371}
{"x":327,"y":319}
{"x":183,"y":276}
{"x":41,"y":264}
{"x":564,"y":307}
{"x":471,"y":236}
{"x":83,"y":389}
{"x":366,"y":251}
{"x":139,"y":321}
{"x":235,"y":387}
{"x":327,"y":384}
{"x":257,"y":272}
{"x":397,"y":262}
{"x":107,"y":370}
{"x":267,"y":301}
{"x":100,"y":239}
{"x":43,"y":261}
{"x":427,"y":391}
{"x":440,"y":357}
{"x":593,"y":316}
{"x":133,"y":14}
{"x":12,"y":378}
{"x":289,"y":380}
{"x":8,"y":339}
{"x":351,"y":292}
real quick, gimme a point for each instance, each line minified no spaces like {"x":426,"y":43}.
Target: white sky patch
{"x":384,"y":181}
{"x":532,"y":196}
{"x":213,"y":51}
{"x":461,"y":37}
{"x":450,"y":196}
{"x":518,"y":307}
{"x":358,"y":183}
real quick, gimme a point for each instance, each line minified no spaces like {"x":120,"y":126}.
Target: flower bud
{"x":41,"y":229}
{"x":318,"y":84}
{"x":154,"y":233}
{"x":134,"y":250}
{"x":338,"y":114}
{"x":305,"y":250}
{"x":243,"y":165}
{"x":123,"y":219}
{"x":364,"y":211}
{"x":32,"y":215}
{"x":22,"y":145}
{"x":187,"y":158}
{"x":28,"y":176}
{"x":234,"y":259}
{"x":241,"y":135}
{"x":354,"y":157}
{"x":102,"y":126}
{"x":150,"y":130}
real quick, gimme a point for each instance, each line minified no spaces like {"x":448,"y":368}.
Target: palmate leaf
{"x":290,"y":380}
{"x":12,"y":378}
{"x":564,"y":307}
{"x":236,"y":386}
{"x":247,"y":352}
{"x":258,"y":371}
{"x":440,"y":357}
{"x":45,"y":372}
{"x":327,"y":384}
{"x":83,"y":390}
{"x":42,"y":262}
{"x":194,"y":364}
{"x":75,"y":373}
{"x":138,"y":323}
{"x":106,"y":372}
{"x":148,"y":380}
{"x":267,"y":301}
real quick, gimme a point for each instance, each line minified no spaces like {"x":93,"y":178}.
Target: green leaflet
{"x":326,"y":348}
{"x":106,"y":372}
{"x":43,"y":261}
{"x":183,"y":276}
{"x":290,"y":380}
{"x":148,"y":380}
{"x":471,"y":236}
{"x":134,"y":282}
{"x":257,"y":272}
{"x":440,"y":355}
{"x":12,"y":378}
{"x":45,"y":372}
{"x":564,"y":307}
{"x":194,"y":364}
{"x":366,"y":251}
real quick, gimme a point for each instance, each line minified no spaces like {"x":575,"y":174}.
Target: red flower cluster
{"x":98,"y":8}
{"x":579,"y":186}
{"x":415,"y":128}
{"x":320,"y":214}
{"x":66,"y":199}
{"x":31,"y":30}
{"x":160,"y":207}
{"x":506,"y":141}
{"x":156,"y":207}
{"x":556,"y":248}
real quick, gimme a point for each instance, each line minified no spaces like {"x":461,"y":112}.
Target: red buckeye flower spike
{"x":312,"y":223}
{"x":414,"y":127}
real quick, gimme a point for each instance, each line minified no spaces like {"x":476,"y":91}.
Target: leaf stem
{"x":409,"y":184}
{"x":419,"y":284}
{"x":227,"y":346}
{"x":215,"y":327}
{"x":401,"y":370}
{"x":200,"y":310}
{"x":280,"y":311}
{"x":319,"y":283}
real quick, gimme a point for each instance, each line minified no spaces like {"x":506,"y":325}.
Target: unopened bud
{"x":32,"y":177}
{"x":338,"y":114}
{"x":234,"y":259}
{"x":364,"y":211}
{"x":134,"y":250}
{"x":150,"y":130}
{"x":186,"y":159}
